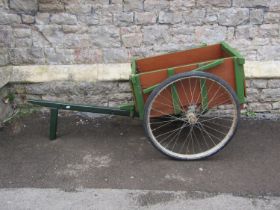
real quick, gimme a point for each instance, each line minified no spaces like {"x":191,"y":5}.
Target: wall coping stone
{"x":108,"y":72}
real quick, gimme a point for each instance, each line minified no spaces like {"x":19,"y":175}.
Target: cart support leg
{"x":53,"y":123}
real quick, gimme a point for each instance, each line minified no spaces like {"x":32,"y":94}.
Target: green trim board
{"x":206,"y":66}
{"x":239,"y":80}
{"x":130,"y":107}
{"x":150,"y":89}
{"x":233,"y":52}
{"x":133,"y":66}
{"x":81,"y":107}
{"x":204,"y":94}
{"x":138,"y":94}
{"x":174,"y":93}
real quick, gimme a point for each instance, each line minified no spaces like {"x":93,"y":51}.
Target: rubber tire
{"x":165,"y":83}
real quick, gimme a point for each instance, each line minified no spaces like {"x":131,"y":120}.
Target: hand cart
{"x":189,"y":101}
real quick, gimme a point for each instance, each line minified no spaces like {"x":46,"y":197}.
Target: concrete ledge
{"x":107,"y":72}
{"x":5,"y":75}
{"x":262,"y":69}
{"x":93,"y":72}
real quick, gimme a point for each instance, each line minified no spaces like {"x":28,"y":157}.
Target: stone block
{"x":4,"y":4}
{"x":130,"y":29}
{"x":252,"y":95}
{"x":274,"y":5}
{"x":9,"y":19}
{"x":256,"y":16}
{"x":276,"y":105}
{"x":124,"y":18}
{"x":20,"y":56}
{"x":115,"y":55}
{"x":272,"y":17}
{"x":59,"y":56}
{"x":169,"y":17}
{"x":105,"y":36}
{"x":273,"y":83}
{"x":269,"y":30}
{"x":178,"y":5}
{"x":78,"y":29}
{"x":89,"y":20}
{"x":78,"y":8}
{"x":211,"y":19}
{"x":124,"y":87}
{"x":260,"y":107}
{"x":246,"y":32}
{"x":39,"y":40}
{"x":52,"y":34}
{"x":132,"y":40}
{"x":76,"y":41}
{"x":251,"y":3}
{"x":156,"y":5}
{"x":42,"y":18}
{"x":269,"y":52}
{"x":6,"y":38}
{"x":155,"y":34}
{"x":105,"y":18}
{"x":22,"y":32}
{"x":230,"y":33}
{"x":27,"y":19}
{"x":26,"y":6}
{"x":233,"y":16}
{"x":270,"y":94}
{"x":23,"y":43}
{"x":259,"y":83}
{"x":194,"y":16}
{"x":216,"y":3}
{"x":64,"y":19}
{"x":248,"y":83}
{"x":4,"y":58}
{"x":135,"y":5}
{"x":145,"y":18}
{"x":88,"y":56}
{"x":210,"y":34}
{"x":52,"y":6}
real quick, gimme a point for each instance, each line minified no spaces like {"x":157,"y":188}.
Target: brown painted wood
{"x":211,"y":52}
{"x":225,"y":71}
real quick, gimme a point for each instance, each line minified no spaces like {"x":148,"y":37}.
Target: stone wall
{"x":55,"y":32}
{"x":109,"y":31}
{"x":263,"y":95}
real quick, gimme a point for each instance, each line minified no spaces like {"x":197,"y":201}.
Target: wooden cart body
{"x":219,"y":59}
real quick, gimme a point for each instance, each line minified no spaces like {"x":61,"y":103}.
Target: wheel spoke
{"x":197,"y":131}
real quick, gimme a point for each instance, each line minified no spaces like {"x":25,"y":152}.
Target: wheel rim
{"x":196,"y":130}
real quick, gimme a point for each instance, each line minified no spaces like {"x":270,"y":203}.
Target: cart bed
{"x":219,"y":59}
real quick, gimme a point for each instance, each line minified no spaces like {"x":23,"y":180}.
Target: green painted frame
{"x":174,"y":93}
{"x":124,"y":110}
{"x":239,"y":62}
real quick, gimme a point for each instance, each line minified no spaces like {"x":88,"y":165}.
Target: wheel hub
{"x":191,"y":117}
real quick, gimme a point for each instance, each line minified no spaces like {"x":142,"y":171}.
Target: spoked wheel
{"x":191,"y":115}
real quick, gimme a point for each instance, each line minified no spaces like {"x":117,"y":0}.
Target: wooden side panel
{"x":211,"y":52}
{"x":224,"y":71}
